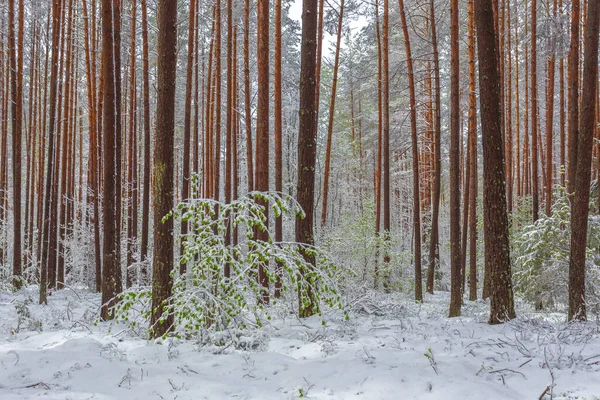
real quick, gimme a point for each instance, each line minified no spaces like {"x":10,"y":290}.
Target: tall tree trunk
{"x":534,"y":113}
{"x":434,"y":251}
{"x":455,"y":258}
{"x":16,"y":90}
{"x":216,"y":134}
{"x":63,"y":199}
{"x":377,"y":168}
{"x":111,"y":267}
{"x":93,"y":171}
{"x":331,"y":118}
{"x":164,"y":160}
{"x":55,"y":195}
{"x":132,"y":213}
{"x":4,"y":94}
{"x":229,"y":126}
{"x":307,"y":141}
{"x":550,"y":128}
{"x":147,"y":136}
{"x":247,"y":96}
{"x":495,"y":208}
{"x":561,"y":72}
{"x":508,"y":127}
{"x":262,"y":127}
{"x":319,"y":59}
{"x":573,"y":84}
{"x":187,"y":120}
{"x":56,"y":24}
{"x":385,"y":135}
{"x":517,"y":164}
{"x":278,"y":127}
{"x":579,"y":215}
{"x":472,"y":143}
{"x":415,"y":157}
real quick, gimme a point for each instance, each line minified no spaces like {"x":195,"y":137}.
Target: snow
{"x":399,"y":350}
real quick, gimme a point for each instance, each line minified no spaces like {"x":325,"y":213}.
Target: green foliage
{"x":540,"y":253}
{"x":205,"y":299}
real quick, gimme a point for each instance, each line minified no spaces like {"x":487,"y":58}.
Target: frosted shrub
{"x":205,"y":299}
{"x":540,"y":254}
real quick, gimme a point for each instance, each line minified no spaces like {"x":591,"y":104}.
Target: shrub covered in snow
{"x":540,"y":254}
{"x":204,"y":298}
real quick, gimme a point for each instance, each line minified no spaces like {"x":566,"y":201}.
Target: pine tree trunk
{"x":377,"y":167}
{"x":385,"y":160}
{"x":16,"y":96}
{"x":93,"y":171}
{"x":262,"y":128}
{"x":56,"y":24}
{"x":455,"y":257}
{"x":581,"y":185}
{"x":278,"y":127}
{"x":550,"y":128}
{"x":164,"y":190}
{"x":60,"y":277}
{"x":331,"y":118}
{"x":111,"y":268}
{"x":434,"y":251}
{"x":497,"y":254}
{"x":573,"y":84}
{"x":4,"y":93}
{"x":307,"y":141}
{"x":247,"y":96}
{"x":147,"y":136}
{"x":472,"y":143}
{"x":187,"y":120}
{"x":534,"y":113}
{"x":132,"y":213}
{"x":415,"y":157}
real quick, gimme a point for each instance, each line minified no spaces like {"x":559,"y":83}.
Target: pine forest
{"x":283,"y":199}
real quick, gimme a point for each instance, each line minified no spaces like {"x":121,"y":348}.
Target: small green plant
{"x":483,"y":369}
{"x":221,"y":289}
{"x":429,"y":356}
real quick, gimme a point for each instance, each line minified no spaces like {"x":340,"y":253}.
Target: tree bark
{"x":455,"y":257}
{"x":415,"y":157}
{"x":56,"y":24}
{"x":573,"y":84}
{"x":472,"y":143}
{"x":247,"y":96}
{"x":307,"y":140}
{"x":497,"y":249}
{"x":277,"y":127}
{"x":16,"y":90}
{"x":147,"y":136}
{"x":534,"y":113}
{"x":262,"y":127}
{"x":187,"y":120}
{"x":111,"y":268}
{"x":581,"y":198}
{"x":331,"y":118}
{"x":132,"y":213}
{"x":164,"y":190}
{"x":434,"y":251}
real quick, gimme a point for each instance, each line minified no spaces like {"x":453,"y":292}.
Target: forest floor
{"x":391,"y":348}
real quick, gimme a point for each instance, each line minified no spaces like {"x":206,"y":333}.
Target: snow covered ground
{"x":396,"y":350}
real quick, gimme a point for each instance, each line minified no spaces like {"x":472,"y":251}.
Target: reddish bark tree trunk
{"x":415,"y":158}
{"x":455,"y":257}
{"x":581,"y":186}
{"x":164,"y":160}
{"x":497,"y":254}
{"x":307,"y":139}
